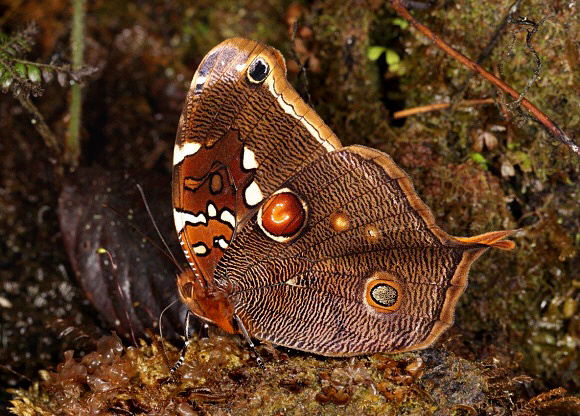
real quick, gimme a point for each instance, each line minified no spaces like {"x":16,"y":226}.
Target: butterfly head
{"x":207,"y":301}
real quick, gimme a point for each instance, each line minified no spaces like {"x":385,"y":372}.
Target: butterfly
{"x":292,"y":238}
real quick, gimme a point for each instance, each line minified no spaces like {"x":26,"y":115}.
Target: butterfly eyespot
{"x":282,"y":216}
{"x":258,"y":71}
{"x":339,"y":221}
{"x":384,"y":294}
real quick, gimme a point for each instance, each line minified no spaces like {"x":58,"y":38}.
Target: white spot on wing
{"x":200,"y":248}
{"x":200,"y":80}
{"x":240,"y":67}
{"x":222,"y":243}
{"x":186,"y":149}
{"x":193,"y":219}
{"x":292,"y":282}
{"x":249,"y":160}
{"x":211,"y":210}
{"x":178,"y":220}
{"x":228,"y":217}
{"x":253,"y":194}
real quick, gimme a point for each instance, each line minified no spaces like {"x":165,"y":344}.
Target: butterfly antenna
{"x":250,"y":343}
{"x":161,"y":332}
{"x":155,"y":224}
{"x":135,"y":228}
{"x":181,"y":359}
{"x":117,"y":282}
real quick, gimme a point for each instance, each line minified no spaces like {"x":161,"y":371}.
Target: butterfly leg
{"x":185,"y":345}
{"x":250,"y":343}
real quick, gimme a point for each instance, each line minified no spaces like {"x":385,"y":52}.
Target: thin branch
{"x":543,"y":119}
{"x":77,"y":45}
{"x":302,"y":73}
{"x":440,"y":106}
{"x":529,"y":37}
{"x":38,"y":121}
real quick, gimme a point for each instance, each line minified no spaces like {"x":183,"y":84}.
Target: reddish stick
{"x":552,"y":128}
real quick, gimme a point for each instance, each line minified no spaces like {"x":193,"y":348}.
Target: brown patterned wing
{"x":243,"y":131}
{"x":365,"y":270}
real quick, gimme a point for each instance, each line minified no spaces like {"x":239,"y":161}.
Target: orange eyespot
{"x":384,"y":294}
{"x":283,"y":215}
{"x":372,"y":233}
{"x":339,"y":221}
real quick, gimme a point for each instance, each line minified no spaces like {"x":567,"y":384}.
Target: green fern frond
{"x":21,"y":76}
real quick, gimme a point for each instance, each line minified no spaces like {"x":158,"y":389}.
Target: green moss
{"x":220,"y":376}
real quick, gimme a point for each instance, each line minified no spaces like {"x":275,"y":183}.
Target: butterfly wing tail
{"x":494,"y":239}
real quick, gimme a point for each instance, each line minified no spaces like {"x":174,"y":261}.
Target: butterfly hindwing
{"x":368,"y":237}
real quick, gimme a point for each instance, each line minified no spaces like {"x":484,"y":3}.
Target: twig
{"x":302,"y":73}
{"x":440,"y":106}
{"x":542,"y":118}
{"x":40,"y":125}
{"x":529,"y":37}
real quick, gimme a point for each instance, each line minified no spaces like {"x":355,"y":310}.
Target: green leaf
{"x":392,"y":57}
{"x":374,"y":52}
{"x":20,"y":69}
{"x":478,"y":157}
{"x":402,"y":23}
{"x":5,"y":81}
{"x":34,"y":73}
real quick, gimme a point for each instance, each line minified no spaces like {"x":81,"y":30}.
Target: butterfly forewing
{"x":233,"y":134}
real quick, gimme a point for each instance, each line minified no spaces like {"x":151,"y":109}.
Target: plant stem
{"x":72,"y":151}
{"x":38,"y":121}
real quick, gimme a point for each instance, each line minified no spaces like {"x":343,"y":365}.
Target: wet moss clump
{"x":220,"y":375}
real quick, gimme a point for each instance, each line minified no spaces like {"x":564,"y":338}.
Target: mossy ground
{"x":220,"y":377}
